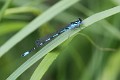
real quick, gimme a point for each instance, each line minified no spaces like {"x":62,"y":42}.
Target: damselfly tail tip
{"x":24,"y":54}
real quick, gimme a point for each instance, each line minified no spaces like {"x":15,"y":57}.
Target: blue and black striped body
{"x":70,"y":26}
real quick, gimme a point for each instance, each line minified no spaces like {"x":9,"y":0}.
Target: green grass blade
{"x":43,"y":66}
{"x":11,"y":27}
{"x":112,"y":68}
{"x":101,"y":15}
{"x":25,"y":9}
{"x":109,"y":27}
{"x":61,"y":5}
{"x":57,"y":41}
{"x":4,"y":8}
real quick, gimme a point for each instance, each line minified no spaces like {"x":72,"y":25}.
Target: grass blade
{"x":43,"y":66}
{"x":112,"y":68}
{"x":50,"y":46}
{"x":101,"y":15}
{"x":4,"y":8}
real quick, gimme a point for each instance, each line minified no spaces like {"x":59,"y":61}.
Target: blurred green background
{"x":79,"y":59}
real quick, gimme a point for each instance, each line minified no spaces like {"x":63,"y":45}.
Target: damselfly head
{"x":79,"y":21}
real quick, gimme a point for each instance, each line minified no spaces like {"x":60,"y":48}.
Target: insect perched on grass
{"x":70,"y":26}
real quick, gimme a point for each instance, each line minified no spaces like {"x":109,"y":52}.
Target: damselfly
{"x":70,"y":26}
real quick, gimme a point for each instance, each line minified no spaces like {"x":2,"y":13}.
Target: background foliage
{"x":94,"y":56}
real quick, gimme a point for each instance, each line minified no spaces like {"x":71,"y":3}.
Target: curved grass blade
{"x":24,"y":9}
{"x":43,"y":66}
{"x":110,"y":28}
{"x":50,"y":46}
{"x":101,"y":15}
{"x":112,"y":68}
